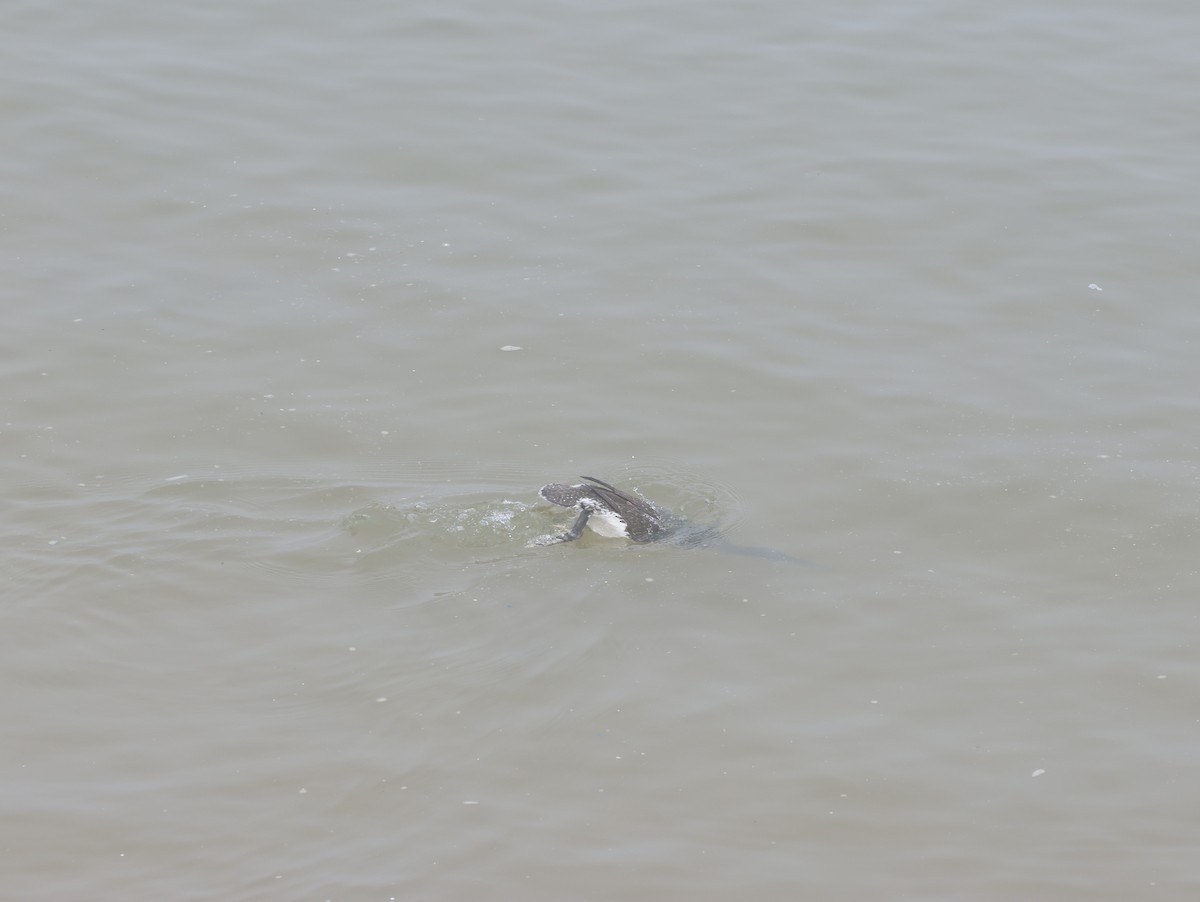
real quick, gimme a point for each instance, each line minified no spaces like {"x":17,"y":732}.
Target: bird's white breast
{"x":605,"y":522}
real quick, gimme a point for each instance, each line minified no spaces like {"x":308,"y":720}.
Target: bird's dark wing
{"x":644,"y":520}
{"x":566,"y":495}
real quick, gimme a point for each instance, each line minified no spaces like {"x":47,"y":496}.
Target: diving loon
{"x":611,"y":513}
{"x":607,"y":510}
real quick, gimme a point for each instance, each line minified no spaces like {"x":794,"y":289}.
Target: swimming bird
{"x":611,"y":513}
{"x":607,"y":510}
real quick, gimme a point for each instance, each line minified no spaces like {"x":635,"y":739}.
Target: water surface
{"x":303,"y":306}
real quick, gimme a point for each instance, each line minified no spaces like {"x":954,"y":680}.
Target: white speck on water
{"x":1038,"y":772}
{"x":511,"y":348}
{"x":177,"y":478}
{"x":1094,"y":287}
{"x":470,"y":802}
